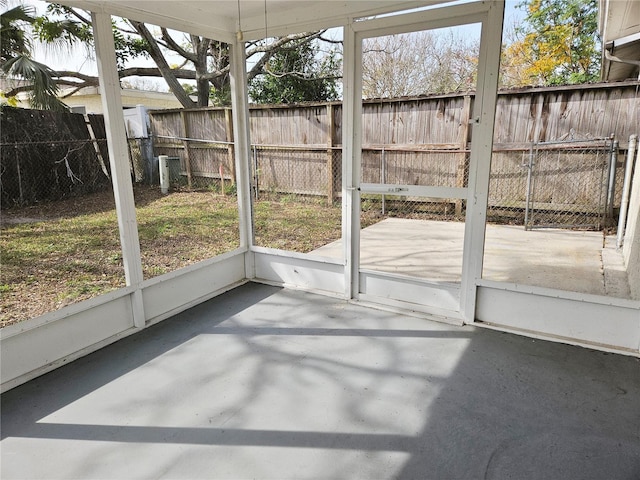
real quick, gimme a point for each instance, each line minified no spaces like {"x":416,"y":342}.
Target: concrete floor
{"x":267,"y":383}
{"x":552,"y":258}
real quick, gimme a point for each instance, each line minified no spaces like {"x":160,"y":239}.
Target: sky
{"x":79,"y":59}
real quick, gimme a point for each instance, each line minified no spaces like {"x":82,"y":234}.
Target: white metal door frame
{"x":489,"y":15}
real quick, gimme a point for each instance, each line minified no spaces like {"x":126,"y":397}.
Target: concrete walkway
{"x":265,"y":383}
{"x":552,"y":258}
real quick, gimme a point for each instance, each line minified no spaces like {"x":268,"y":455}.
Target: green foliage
{"x":13,"y":40}
{"x":16,"y":61}
{"x":127,"y":47}
{"x":63,"y":25}
{"x":188,"y":88}
{"x":558,"y":44}
{"x":295,"y":74}
{"x":65,"y":30}
{"x":220,"y":97}
{"x":44,"y":95}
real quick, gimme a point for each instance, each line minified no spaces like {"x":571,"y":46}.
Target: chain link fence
{"x":416,"y":167}
{"x":199,"y":219}
{"x":571,"y":185}
{"x":59,"y":232}
{"x":296,"y":196}
{"x":48,"y":156}
{"x":197,"y":164}
{"x":37,"y":172}
{"x":567,"y":184}
{"x":508,"y":185}
{"x":295,"y":190}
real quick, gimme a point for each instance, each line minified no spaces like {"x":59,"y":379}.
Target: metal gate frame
{"x":605,"y":165}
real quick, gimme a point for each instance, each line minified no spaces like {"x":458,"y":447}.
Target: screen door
{"x":415,"y":165}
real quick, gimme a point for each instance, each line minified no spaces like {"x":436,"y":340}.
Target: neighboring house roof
{"x":90,"y":98}
{"x":619,"y":26}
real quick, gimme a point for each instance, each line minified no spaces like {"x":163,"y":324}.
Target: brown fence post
{"x":185,"y":142}
{"x":463,"y":136}
{"x":330,"y":164}
{"x":228,"y":121}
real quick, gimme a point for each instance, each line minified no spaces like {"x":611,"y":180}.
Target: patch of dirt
{"x":17,"y":220}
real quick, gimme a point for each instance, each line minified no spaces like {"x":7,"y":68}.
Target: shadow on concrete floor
{"x":263,"y":382}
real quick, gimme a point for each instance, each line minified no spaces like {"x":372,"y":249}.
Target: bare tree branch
{"x":173,"y":45}
{"x":203,"y":60}
{"x":158,"y":58}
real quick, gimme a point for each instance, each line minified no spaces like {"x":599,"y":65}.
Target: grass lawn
{"x":62,"y":252}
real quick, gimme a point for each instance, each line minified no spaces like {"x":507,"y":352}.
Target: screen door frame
{"x":455,"y":303}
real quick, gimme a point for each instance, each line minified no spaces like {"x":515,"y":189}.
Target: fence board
{"x":408,"y":130}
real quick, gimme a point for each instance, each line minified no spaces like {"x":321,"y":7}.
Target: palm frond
{"x":44,"y":94}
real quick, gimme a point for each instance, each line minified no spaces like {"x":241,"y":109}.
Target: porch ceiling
{"x":221,"y":19}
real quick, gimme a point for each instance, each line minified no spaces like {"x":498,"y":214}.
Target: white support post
{"x":351,"y":145}
{"x":119,"y":160}
{"x":481,"y":150}
{"x":242,"y":143}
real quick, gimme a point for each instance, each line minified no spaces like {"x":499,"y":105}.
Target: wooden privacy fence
{"x":415,"y":141}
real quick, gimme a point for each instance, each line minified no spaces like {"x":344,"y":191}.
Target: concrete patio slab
{"x":552,"y":258}
{"x":266,"y":383}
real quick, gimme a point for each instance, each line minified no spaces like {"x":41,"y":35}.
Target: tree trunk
{"x":201,"y":47}
{"x":165,"y":70}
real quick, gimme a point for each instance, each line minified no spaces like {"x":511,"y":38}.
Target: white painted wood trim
{"x":12,"y":382}
{"x":302,"y":256}
{"x":431,"y":296}
{"x":558,"y":339}
{"x":173,"y":295}
{"x":440,"y":17}
{"x":480,"y":158}
{"x":315,"y":291}
{"x":300,"y":273}
{"x":242,"y":144}
{"x":87,"y":305}
{"x":238,"y":252}
{"x":441,"y":315}
{"x":438,"y":298}
{"x":451,"y":286}
{"x":58,"y":315}
{"x":299,"y":17}
{"x":599,"y":325}
{"x":564,"y":294}
{"x":119,"y":158}
{"x":351,"y":142}
{"x":488,"y":14}
{"x":390,"y":189}
{"x":254,"y":28}
{"x":41,"y":344}
{"x":403,"y":308}
{"x":52,"y":343}
{"x":120,"y":9}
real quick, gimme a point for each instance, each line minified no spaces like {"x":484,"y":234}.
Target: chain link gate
{"x":569,"y":184}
